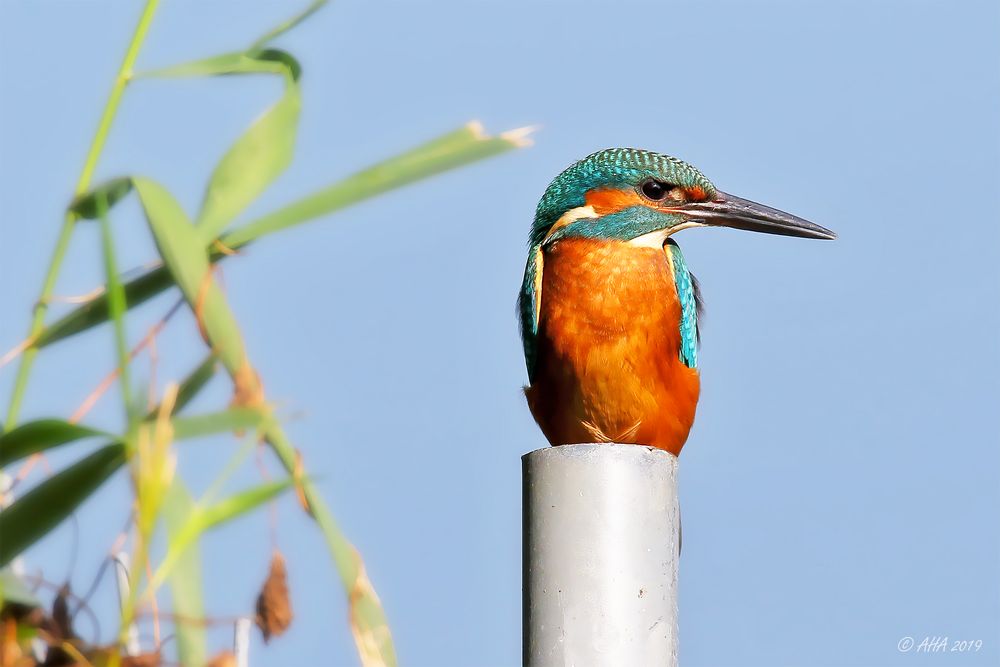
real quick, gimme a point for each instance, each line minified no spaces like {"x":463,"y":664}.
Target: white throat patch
{"x":657,"y":238}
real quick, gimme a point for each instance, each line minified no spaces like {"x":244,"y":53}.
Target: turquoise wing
{"x":529,"y":306}
{"x":690,"y":300}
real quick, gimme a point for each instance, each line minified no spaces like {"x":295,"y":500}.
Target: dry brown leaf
{"x":368,"y":640}
{"x":217,"y":244}
{"x":248,"y":390}
{"x":274,"y":609}
{"x":199,"y":304}
{"x":297,"y":474}
{"x":109,"y":379}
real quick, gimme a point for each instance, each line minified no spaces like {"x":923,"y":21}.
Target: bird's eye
{"x":655,"y":190}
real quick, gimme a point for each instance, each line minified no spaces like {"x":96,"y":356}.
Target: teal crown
{"x":612,"y":167}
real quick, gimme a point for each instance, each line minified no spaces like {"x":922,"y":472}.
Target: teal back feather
{"x":526,"y":310}
{"x":687,"y":294}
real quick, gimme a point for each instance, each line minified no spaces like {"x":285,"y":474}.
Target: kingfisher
{"x":608,"y":308}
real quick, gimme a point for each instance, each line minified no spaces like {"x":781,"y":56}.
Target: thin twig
{"x":176,"y":618}
{"x":25,"y":470}
{"x":12,"y":353}
{"x":94,"y":396}
{"x":77,"y":298}
{"x":39,"y":582}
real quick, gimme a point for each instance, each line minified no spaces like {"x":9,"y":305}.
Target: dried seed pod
{"x":274,"y":609}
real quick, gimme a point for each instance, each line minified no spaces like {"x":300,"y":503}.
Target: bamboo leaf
{"x":87,"y":205}
{"x":263,"y":152}
{"x":94,"y":312}
{"x":188,"y":262}
{"x":203,"y":519}
{"x":235,"y":62}
{"x":44,"y":434}
{"x":192,"y":384}
{"x":455,"y":149}
{"x":40,"y":510}
{"x":240,"y":503}
{"x":234,"y":419}
{"x":185,"y":257}
{"x":185,"y":580}
{"x":369,"y":624}
{"x":251,"y":164}
{"x":40,"y":435}
{"x":117,"y":305}
{"x":290,"y":23}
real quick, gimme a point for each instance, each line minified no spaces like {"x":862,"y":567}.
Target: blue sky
{"x":841,"y":485}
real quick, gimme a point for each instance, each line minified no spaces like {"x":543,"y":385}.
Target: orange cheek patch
{"x":696,"y":193}
{"x":612,"y":200}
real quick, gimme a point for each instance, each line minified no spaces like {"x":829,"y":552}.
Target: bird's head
{"x":627,"y":194}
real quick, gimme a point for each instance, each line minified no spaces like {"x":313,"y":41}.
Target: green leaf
{"x":185,"y":257}
{"x":251,"y":61}
{"x":263,"y":152}
{"x":203,"y":519}
{"x":87,"y":205}
{"x":368,"y":620}
{"x":44,"y":434}
{"x":192,"y":384}
{"x":40,"y":510}
{"x":452,"y":150}
{"x":94,"y":312}
{"x":240,"y":503}
{"x":117,"y":305}
{"x":251,"y":164}
{"x":40,"y":435}
{"x":236,"y":62}
{"x":290,"y":23}
{"x":455,"y":149}
{"x":234,"y":419}
{"x":14,"y":590}
{"x":185,"y":580}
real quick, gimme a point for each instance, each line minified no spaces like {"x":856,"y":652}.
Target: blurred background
{"x":841,"y":485}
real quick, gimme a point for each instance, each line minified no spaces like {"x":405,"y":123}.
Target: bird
{"x":608,"y":307}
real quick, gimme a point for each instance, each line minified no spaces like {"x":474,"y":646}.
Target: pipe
{"x":121,"y":564}
{"x":241,"y":641}
{"x":601,"y":536}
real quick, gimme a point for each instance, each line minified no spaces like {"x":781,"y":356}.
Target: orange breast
{"x":607,"y":365}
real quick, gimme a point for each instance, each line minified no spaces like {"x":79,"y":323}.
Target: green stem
{"x":116,"y":309}
{"x":62,"y":243}
{"x":368,"y":619}
{"x":340,"y":549}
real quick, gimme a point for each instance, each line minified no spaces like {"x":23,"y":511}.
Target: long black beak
{"x":731,"y":211}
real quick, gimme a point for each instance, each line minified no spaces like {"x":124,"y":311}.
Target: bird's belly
{"x":608,"y":364}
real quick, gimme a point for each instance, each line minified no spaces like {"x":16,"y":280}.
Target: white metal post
{"x":241,"y":641}
{"x":601,"y":538}
{"x":121,"y":565}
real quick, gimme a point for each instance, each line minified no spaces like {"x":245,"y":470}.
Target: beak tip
{"x":731,"y":211}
